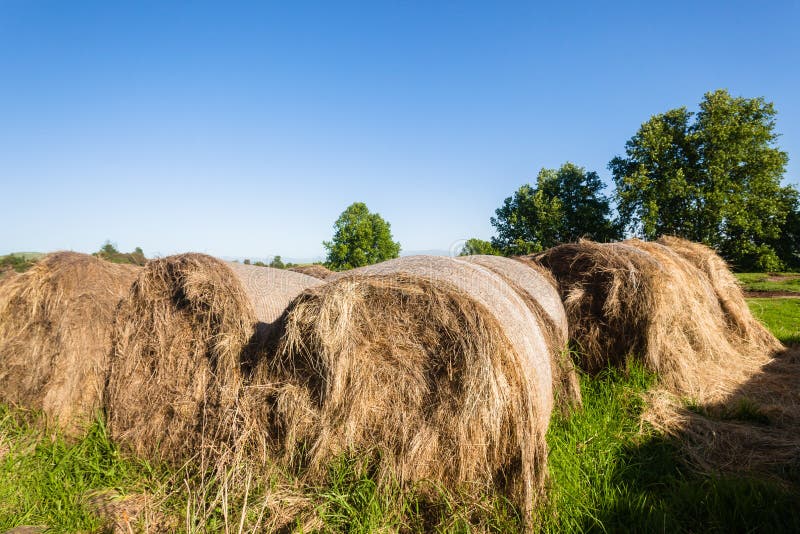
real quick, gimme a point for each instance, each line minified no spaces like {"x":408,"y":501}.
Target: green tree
{"x":566,"y":204}
{"x":787,"y":246}
{"x":277,"y":263}
{"x":713,"y":177}
{"x":108,"y":250}
{"x":360,"y":238}
{"x":476,"y":246}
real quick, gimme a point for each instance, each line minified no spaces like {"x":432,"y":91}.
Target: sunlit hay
{"x":729,"y":293}
{"x":641,"y":300}
{"x":55,"y":335}
{"x":434,"y":367}
{"x":315,"y":270}
{"x":185,"y":336}
{"x":539,"y":290}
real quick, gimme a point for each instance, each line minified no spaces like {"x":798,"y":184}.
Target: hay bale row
{"x":185,"y":339}
{"x":646,"y":300}
{"x":55,"y":333}
{"x":436,"y":366}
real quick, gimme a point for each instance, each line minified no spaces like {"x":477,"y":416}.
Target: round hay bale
{"x":434,"y":364}
{"x":642,"y":300}
{"x":55,"y":335}
{"x":539,"y":290}
{"x":728,"y":291}
{"x":316,"y":270}
{"x":185,"y":336}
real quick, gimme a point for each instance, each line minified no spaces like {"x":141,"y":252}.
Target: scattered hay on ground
{"x":316,"y":270}
{"x":755,"y":430}
{"x":433,"y":366}
{"x":123,"y":514}
{"x":184,"y":338}
{"x":55,"y":335}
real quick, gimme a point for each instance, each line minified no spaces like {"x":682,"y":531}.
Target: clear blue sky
{"x":244,"y":129}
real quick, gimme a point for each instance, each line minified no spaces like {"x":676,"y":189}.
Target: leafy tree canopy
{"x":277,"y":263}
{"x":713,"y":176}
{"x":566,"y":204}
{"x":360,"y":238}
{"x":476,"y":246}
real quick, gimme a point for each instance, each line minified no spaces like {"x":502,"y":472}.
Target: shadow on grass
{"x":611,"y":474}
{"x":661,"y":494}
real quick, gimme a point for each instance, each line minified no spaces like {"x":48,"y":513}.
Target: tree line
{"x":712,"y":176}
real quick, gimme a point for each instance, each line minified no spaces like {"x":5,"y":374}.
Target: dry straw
{"x":184,"y":339}
{"x":55,"y":335}
{"x":538,"y":289}
{"x":676,"y":306}
{"x":756,"y":429}
{"x":644,"y":300}
{"x":741,"y":323}
{"x":434,"y":367}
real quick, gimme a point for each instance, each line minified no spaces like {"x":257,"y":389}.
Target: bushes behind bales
{"x":436,"y":365}
{"x":55,"y":335}
{"x":316,"y":270}
{"x":184,"y":338}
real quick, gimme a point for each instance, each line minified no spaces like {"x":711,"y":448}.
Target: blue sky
{"x":244,"y":129}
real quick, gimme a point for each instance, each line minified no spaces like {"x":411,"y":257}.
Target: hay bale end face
{"x":435,"y":363}
{"x":539,"y":290}
{"x":741,"y":322}
{"x":55,"y":335}
{"x":184,"y":337}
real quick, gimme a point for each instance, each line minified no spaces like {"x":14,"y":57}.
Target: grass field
{"x":608,"y":474}
{"x":770,"y":281}
{"x":781,"y":315}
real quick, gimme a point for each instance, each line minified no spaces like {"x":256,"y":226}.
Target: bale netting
{"x":55,"y":335}
{"x":433,"y":367}
{"x":539,"y":290}
{"x":184,"y":338}
{"x":740,"y":320}
{"x":315,"y":270}
{"x":642,"y":300}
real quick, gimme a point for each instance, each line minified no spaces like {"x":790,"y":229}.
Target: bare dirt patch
{"x":772,"y":294}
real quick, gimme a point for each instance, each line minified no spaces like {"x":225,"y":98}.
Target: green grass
{"x":780,"y":315}
{"x":611,"y":475}
{"x":45,"y":481}
{"x":608,"y":473}
{"x":761,"y":282}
